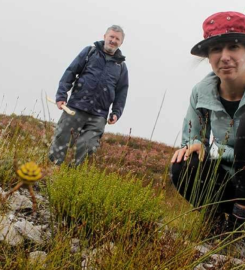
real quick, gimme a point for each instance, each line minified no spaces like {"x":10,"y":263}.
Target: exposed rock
{"x":202,"y":249}
{"x":8,"y":232}
{"x":2,"y":192}
{"x":29,"y":231}
{"x":75,"y":245}
{"x":222,"y":258}
{"x":20,"y":224}
{"x":38,"y":258}
{"x":217,"y":258}
{"x":208,"y":266}
{"x":42,"y":227}
{"x":19,"y":202}
{"x":200,"y":267}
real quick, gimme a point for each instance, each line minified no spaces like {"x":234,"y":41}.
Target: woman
{"x":217,"y":106}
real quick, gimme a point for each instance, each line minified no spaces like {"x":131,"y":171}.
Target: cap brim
{"x":201,"y":48}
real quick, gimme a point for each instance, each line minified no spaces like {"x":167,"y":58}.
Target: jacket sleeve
{"x":121,"y":92}
{"x":196,"y":127}
{"x":69,"y":75}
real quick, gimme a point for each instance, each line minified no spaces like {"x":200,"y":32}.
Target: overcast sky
{"x":39,"y":39}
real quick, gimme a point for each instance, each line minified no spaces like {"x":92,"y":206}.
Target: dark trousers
{"x":208,"y":182}
{"x":82,"y":131}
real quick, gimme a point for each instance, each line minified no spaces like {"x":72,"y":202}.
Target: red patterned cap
{"x":221,"y":27}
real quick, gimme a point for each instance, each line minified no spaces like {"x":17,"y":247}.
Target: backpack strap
{"x":90,"y":52}
{"x":121,"y":66}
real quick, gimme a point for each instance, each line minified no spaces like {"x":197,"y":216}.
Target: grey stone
{"x":208,"y":266}
{"x":18,"y":202}
{"x":199,"y":267}
{"x":2,"y":192}
{"x":29,"y":231}
{"x":38,"y":258}
{"x":75,"y":245}
{"x":221,"y":258}
{"x":202,"y":249}
{"x":8,"y":232}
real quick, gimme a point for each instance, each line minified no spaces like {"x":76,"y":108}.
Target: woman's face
{"x":228,"y":61}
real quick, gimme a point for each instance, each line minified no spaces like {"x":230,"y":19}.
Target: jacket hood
{"x":118,"y":54}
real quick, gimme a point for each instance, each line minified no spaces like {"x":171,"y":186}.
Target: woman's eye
{"x":234,"y":46}
{"x":215,"y":49}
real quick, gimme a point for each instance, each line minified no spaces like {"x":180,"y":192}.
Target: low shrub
{"x":101,"y":201}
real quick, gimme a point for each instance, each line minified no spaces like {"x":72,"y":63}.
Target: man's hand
{"x":187,"y":151}
{"x":112,"y":120}
{"x":60,"y":103}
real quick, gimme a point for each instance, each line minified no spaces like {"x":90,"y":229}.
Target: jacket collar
{"x":208,"y":95}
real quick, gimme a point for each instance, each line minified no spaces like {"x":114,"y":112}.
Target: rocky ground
{"x":19,"y":224}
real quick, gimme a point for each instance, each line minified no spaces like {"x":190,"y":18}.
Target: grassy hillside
{"x":29,"y":138}
{"x":119,"y":204}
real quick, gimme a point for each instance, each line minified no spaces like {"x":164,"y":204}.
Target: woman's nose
{"x":225,"y":55}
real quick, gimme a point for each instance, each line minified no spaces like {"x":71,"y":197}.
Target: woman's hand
{"x":187,"y":151}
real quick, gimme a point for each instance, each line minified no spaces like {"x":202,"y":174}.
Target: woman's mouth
{"x":226,"y":68}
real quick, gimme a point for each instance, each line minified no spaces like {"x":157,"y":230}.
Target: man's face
{"x":113,"y":40}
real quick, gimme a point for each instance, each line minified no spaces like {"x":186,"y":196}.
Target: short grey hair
{"x":116,"y":28}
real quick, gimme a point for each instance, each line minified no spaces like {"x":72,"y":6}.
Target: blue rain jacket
{"x":103,"y":82}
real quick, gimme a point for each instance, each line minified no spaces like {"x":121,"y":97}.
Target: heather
{"x":120,"y":206}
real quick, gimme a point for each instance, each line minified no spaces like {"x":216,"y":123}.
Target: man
{"x":99,"y":77}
